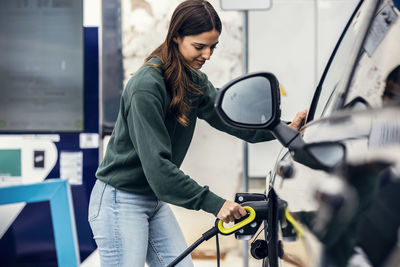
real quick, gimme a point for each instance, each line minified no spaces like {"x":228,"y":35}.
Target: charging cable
{"x":214,"y":231}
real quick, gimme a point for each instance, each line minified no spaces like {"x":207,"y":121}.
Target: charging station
{"x":49,"y":122}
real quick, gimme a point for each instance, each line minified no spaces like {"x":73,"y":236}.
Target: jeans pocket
{"x":95,"y":200}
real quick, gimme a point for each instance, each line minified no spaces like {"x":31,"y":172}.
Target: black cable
{"x":186,"y":252}
{"x":255,"y":238}
{"x":207,"y":235}
{"x":218,"y":257}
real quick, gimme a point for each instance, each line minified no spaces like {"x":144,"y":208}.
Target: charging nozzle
{"x":261,"y":207}
{"x":227,"y":231}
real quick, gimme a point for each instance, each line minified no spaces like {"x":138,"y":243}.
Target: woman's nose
{"x":206,"y":53}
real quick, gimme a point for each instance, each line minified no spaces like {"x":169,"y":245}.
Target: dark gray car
{"x":339,"y":176}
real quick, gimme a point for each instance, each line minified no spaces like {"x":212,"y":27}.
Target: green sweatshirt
{"x":148,"y":144}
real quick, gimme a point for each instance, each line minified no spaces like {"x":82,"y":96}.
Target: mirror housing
{"x":252,"y":101}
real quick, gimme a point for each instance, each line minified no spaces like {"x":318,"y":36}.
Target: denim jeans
{"x":131,"y":229}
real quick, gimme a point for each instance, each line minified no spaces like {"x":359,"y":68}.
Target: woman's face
{"x":196,"y":49}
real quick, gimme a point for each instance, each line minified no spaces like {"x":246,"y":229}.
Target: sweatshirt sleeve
{"x":208,"y":113}
{"x":149,"y":135}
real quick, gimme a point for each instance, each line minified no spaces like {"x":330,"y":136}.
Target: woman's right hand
{"x":299,"y":120}
{"x":231,"y":211}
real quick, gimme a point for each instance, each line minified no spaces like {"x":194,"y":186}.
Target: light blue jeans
{"x":131,"y":229}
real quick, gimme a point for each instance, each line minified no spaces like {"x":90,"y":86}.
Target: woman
{"x":131,"y":222}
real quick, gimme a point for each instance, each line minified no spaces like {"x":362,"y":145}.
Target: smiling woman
{"x":140,"y":171}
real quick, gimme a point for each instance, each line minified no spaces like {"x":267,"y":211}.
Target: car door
{"x":354,"y":80}
{"x":331,"y":84}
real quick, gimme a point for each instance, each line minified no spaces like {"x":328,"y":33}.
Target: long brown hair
{"x":191,"y":17}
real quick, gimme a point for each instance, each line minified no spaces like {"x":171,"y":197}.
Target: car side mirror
{"x":322,"y":156}
{"x":252,"y":101}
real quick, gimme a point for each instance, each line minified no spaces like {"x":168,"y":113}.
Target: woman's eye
{"x":213,"y":47}
{"x":198,"y":47}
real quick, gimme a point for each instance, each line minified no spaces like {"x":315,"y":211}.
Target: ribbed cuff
{"x":212,"y":203}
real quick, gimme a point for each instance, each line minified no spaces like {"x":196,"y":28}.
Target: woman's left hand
{"x":299,"y":120}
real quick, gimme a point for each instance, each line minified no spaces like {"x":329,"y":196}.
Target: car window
{"x":342,"y":60}
{"x":380,"y":57}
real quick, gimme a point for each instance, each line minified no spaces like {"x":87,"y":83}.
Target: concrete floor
{"x":304,"y":251}
{"x":232,"y":259}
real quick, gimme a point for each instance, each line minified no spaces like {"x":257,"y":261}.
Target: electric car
{"x":338,"y":175}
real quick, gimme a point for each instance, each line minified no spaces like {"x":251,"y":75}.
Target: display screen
{"x":10,"y":162}
{"x":41,"y":66}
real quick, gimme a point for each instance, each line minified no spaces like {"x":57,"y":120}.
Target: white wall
{"x":293,"y":40}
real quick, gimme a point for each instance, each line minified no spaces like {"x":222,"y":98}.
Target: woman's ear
{"x":176,"y":39}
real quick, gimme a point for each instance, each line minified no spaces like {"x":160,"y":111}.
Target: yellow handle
{"x":230,"y":230}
